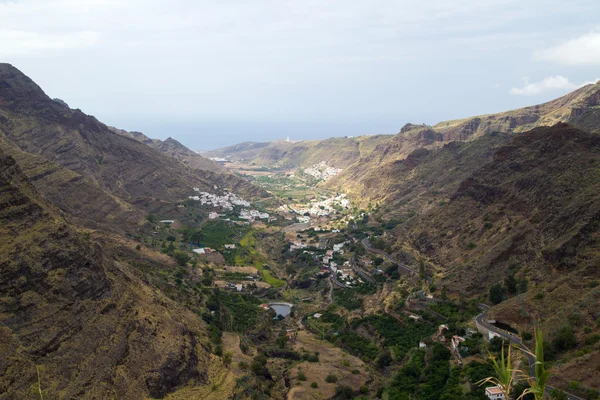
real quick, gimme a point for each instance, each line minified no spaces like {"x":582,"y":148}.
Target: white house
{"x":495,"y":393}
{"x":199,"y":251}
{"x":167,"y":221}
{"x":213,"y":215}
{"x":239,"y":287}
{"x":230,"y":246}
{"x":338,"y":247}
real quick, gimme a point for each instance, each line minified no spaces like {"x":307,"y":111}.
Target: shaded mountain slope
{"x":79,"y":197}
{"x":88,"y":324}
{"x":532,"y":210}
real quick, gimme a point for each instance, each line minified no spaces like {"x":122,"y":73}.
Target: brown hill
{"x":77,"y":323}
{"x":173,"y":148}
{"x":125,"y":168}
{"x":364,"y":178}
{"x":336,"y":152}
{"x":529,"y":208}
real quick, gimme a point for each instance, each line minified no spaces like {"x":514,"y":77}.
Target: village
{"x":327,"y":251}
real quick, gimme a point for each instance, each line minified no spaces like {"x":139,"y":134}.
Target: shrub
{"x":496,"y":293}
{"x":592,"y":340}
{"x":301,"y":376}
{"x":564,"y":339}
{"x":355,"y":372}
{"x":314,"y":385}
{"x":592,"y":394}
{"x":331,"y":378}
{"x":526,"y":335}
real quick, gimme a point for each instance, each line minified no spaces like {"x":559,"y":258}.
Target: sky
{"x":216,"y":73}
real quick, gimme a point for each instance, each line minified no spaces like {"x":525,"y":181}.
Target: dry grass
{"x":332,"y":360}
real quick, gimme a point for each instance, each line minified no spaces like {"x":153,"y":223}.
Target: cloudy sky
{"x":213,"y":73}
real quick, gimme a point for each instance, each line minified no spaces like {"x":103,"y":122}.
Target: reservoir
{"x":282,"y":309}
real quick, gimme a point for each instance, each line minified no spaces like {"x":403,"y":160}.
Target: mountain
{"x":336,"y":152}
{"x":366,"y":155}
{"x":373,"y":177}
{"x":75,"y":321}
{"x":125,"y":169}
{"x":525,"y":205}
{"x":173,"y":148}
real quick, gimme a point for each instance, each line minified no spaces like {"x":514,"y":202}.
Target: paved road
{"x":362,"y":273}
{"x":402,"y":266}
{"x":481,"y":320}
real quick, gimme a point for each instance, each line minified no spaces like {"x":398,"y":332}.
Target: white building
{"x":495,"y":393}
{"x":230,"y":246}
{"x":199,"y":251}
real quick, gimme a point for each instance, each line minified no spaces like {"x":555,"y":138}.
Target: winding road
{"x":480,"y":320}
{"x":402,"y":266}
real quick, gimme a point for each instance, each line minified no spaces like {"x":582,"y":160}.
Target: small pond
{"x":282,"y":309}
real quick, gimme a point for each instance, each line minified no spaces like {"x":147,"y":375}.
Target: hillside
{"x":125,"y":168}
{"x":173,"y":148}
{"x":89,"y":326}
{"x":363,"y":179}
{"x":363,"y":158}
{"x":531,"y":209}
{"x":336,"y":152}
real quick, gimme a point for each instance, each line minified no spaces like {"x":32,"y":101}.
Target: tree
{"x":422,"y":269}
{"x":384,"y":359}
{"x":510,"y":283}
{"x":444,"y":293}
{"x":181,"y":257}
{"x":496,"y":293}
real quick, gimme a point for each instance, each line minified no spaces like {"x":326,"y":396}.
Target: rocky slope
{"x":125,"y":168}
{"x":336,"y":152}
{"x":86,"y":324}
{"x":363,"y":179}
{"x":173,"y":148}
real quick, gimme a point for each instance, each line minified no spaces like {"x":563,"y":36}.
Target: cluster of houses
{"x":252,"y":215}
{"x":227,"y":201}
{"x":322,"y":208}
{"x":344,"y":273}
{"x":322,"y":171}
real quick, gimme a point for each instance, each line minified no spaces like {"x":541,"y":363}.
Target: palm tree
{"x":504,"y":372}
{"x":537,"y":383}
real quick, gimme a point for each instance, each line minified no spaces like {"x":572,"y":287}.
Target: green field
{"x":248,"y":243}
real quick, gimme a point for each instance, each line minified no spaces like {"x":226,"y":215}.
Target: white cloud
{"x":557,"y":82}
{"x":584,"y":50}
{"x":13,"y":43}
